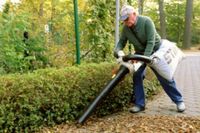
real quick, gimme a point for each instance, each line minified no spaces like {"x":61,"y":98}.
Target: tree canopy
{"x":55,"y":46}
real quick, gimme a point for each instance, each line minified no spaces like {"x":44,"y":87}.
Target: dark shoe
{"x":180,"y":107}
{"x":136,"y":109}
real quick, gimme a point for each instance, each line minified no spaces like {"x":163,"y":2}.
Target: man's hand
{"x":120,"y":53}
{"x":119,"y":60}
{"x":120,"y":56}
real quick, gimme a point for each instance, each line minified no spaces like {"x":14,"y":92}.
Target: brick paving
{"x":187,"y":78}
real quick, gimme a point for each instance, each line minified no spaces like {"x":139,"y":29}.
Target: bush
{"x":21,"y":49}
{"x":52,"y":96}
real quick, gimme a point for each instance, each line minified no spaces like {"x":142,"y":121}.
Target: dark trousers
{"x":169,"y":87}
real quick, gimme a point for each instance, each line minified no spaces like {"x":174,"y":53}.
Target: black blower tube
{"x":137,"y":57}
{"x":121,"y":73}
{"x":110,"y":86}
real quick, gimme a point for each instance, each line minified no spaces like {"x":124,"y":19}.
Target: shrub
{"x":52,"y":96}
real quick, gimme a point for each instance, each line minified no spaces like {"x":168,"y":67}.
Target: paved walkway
{"x":187,"y":78}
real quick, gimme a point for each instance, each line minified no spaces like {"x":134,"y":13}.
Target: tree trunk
{"x":162,"y":19}
{"x":53,"y":10}
{"x":140,"y":6}
{"x":188,"y":22}
{"x":41,"y":10}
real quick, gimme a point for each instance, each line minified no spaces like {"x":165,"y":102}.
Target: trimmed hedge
{"x":52,"y":96}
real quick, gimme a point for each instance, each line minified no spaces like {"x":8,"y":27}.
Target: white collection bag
{"x":166,"y":59}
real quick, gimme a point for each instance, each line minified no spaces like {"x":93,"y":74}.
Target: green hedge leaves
{"x":52,"y":96}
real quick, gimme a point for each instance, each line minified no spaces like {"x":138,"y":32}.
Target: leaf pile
{"x":125,"y":122}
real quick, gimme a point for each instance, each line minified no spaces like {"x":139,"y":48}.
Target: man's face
{"x":130,"y":21}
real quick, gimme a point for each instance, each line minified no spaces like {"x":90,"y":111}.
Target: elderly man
{"x":141,"y":33}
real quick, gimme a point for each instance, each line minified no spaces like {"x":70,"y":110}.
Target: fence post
{"x":77,"y":32}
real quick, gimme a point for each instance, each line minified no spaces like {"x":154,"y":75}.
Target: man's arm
{"x":151,"y":34}
{"x":121,"y":44}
